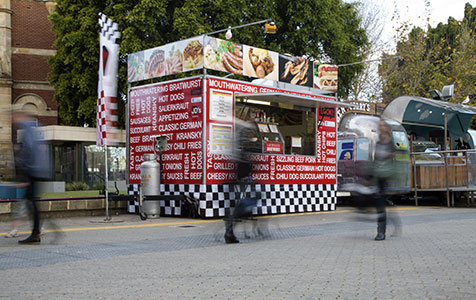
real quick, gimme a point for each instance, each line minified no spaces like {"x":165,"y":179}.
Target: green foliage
{"x":98,"y":186}
{"x":76,"y":186}
{"x":321,"y":29}
{"x":433,"y":58}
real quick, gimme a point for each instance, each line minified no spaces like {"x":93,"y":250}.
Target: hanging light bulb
{"x":228,"y":33}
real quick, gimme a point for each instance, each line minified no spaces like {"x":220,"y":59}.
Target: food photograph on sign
{"x":135,"y":67}
{"x":260,"y":63}
{"x":193,"y":54}
{"x":225,"y":56}
{"x":325,"y":77}
{"x":295,"y":70}
{"x":155,"y":62}
{"x":174,"y":60}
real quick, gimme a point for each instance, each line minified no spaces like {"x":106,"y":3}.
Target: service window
{"x":273,"y":120}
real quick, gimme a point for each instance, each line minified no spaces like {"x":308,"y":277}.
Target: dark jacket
{"x":33,"y":157}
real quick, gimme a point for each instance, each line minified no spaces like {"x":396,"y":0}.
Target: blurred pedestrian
{"x":19,"y":214}
{"x":32,"y":165}
{"x":383,"y":171}
{"x":243,"y":173}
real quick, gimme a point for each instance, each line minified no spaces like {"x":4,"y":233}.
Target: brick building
{"x":26,"y":43}
{"x":32,"y":45}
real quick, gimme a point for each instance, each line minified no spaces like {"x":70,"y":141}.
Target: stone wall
{"x":6,"y":83}
{"x":67,"y":208}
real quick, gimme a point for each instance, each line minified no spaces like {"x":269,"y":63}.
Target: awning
{"x":427,"y":112}
{"x":287,"y":98}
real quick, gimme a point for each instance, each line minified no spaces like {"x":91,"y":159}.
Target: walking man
{"x":32,"y":165}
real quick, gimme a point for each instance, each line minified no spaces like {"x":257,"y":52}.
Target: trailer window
{"x":363,"y":147}
{"x":400,"y":140}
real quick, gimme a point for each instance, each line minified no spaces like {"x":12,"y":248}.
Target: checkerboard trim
{"x":219,"y":200}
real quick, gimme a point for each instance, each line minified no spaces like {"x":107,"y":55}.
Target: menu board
{"x":172,"y":109}
{"x":221,"y":105}
{"x":221,"y":138}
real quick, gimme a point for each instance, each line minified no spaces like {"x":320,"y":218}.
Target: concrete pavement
{"x":326,"y":255}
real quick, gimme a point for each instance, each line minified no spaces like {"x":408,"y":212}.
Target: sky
{"x":415,"y":12}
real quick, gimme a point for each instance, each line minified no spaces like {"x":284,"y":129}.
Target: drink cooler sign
{"x":275,"y":169}
{"x":173,"y":109}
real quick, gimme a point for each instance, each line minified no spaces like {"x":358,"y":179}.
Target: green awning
{"x":427,"y":112}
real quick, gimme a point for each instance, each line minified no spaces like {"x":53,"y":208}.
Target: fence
{"x":444,"y":171}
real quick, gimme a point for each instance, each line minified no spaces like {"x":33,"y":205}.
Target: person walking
{"x":243,"y":172}
{"x":32,"y":165}
{"x":383,"y":170}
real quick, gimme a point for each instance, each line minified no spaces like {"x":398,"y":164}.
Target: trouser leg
{"x":229,"y":227}
{"x":381,"y":203}
{"x":31,"y":197}
{"x":382,"y":218}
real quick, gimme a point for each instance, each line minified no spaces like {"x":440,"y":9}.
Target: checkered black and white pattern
{"x":109,"y":29}
{"x":101,"y":121}
{"x":133,"y":205}
{"x":168,"y":207}
{"x":219,"y":200}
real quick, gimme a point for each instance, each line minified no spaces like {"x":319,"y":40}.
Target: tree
{"x":75,"y":65}
{"x":321,"y":29}
{"x":433,"y":58}
{"x":367,"y":85}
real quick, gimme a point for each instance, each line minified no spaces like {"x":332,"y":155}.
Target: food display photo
{"x":212,"y":59}
{"x":225,"y":56}
{"x":260,"y":63}
{"x":325,"y":77}
{"x":174,"y":60}
{"x":295,"y":70}
{"x":155,"y":63}
{"x":135,"y":67}
{"x":193,"y":54}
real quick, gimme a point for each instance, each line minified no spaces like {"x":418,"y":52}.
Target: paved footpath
{"x":327,"y":255}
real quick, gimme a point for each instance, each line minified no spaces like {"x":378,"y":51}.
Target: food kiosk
{"x":291,"y":138}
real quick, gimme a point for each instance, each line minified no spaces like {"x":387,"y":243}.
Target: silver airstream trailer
{"x":357,"y":138}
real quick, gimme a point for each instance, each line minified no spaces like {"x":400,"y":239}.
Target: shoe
{"x":12,"y":233}
{"x":32,"y":239}
{"x":380,"y":237}
{"x":231,"y":240}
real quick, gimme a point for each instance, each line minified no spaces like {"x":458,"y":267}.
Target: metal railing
{"x":444,"y":171}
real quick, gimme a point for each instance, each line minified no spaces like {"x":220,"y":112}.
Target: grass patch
{"x":69,"y":194}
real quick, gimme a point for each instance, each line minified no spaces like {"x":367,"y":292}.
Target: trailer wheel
{"x":143,"y":216}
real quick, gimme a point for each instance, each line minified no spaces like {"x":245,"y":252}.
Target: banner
{"x":173,"y":58}
{"x":227,"y":56}
{"x":106,"y":117}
